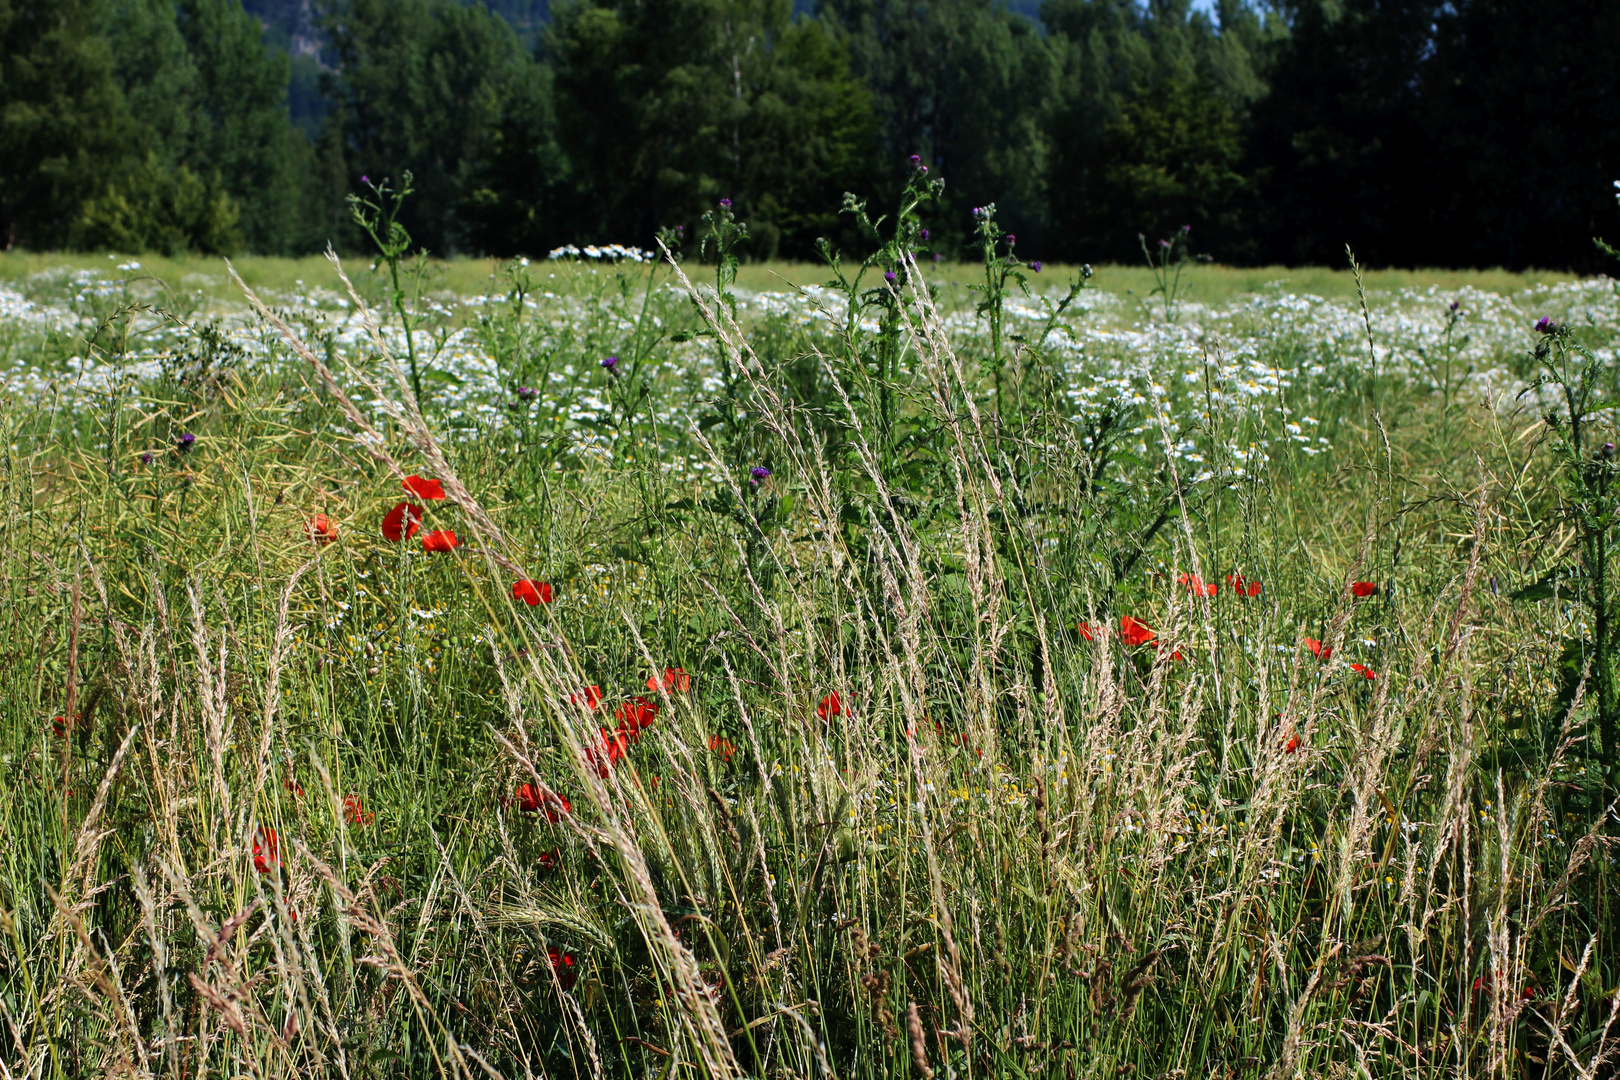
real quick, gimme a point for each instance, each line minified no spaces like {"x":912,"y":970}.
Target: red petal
{"x":402,"y":522}
{"x":528,"y":592}
{"x":1364,"y":588}
{"x":423,"y":488}
{"x":440,"y":540}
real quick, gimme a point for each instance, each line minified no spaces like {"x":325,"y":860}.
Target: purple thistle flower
{"x":1455,"y":305}
{"x":1545,"y":325}
{"x":1186,"y":229}
{"x":147,"y":458}
{"x":915,"y":159}
{"x":364,"y":179}
{"x":184,"y":442}
{"x":756,"y":474}
{"x":1164,"y":243}
{"x":888,"y":275}
{"x":1036,"y":266}
{"x":725,"y":204}
{"x":527,"y":393}
{"x":1011,"y":239}
{"x":923,"y":235}
{"x":611,"y":365}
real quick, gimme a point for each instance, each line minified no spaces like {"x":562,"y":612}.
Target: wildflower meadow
{"x":956,"y":671}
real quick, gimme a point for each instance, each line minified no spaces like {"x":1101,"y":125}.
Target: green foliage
{"x":63,"y":121}
{"x":749,"y":105}
{"x":424,"y":86}
{"x":161,"y":208}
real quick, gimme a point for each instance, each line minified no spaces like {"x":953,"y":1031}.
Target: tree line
{"x":1460,"y":132}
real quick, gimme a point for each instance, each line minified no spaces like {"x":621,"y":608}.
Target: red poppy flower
{"x":60,"y":727}
{"x":1196,"y":585}
{"x":551,"y":860}
{"x":722,"y":747}
{"x":1291,"y":745}
{"x":423,"y":488}
{"x":354,"y":810}
{"x":1318,"y":649}
{"x":1085,"y":630}
{"x":635,"y":716}
{"x":531,"y":592}
{"x":320,"y":530}
{"x":610,"y":748}
{"x":562,"y":964}
{"x":402,"y":522}
{"x":533,"y":799}
{"x":1364,"y":669}
{"x":588,"y":700}
{"x":1132,"y":632}
{"x":294,"y":788}
{"x":1243,"y":588}
{"x":266,"y":852}
{"x":674,"y":679}
{"x":1363,"y":589}
{"x":831,"y":705}
{"x":440,"y":540}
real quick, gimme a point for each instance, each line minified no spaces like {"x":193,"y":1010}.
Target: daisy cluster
{"x":1224,"y":387}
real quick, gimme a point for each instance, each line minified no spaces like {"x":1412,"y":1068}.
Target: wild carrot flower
{"x":674,"y":679}
{"x":320,"y":530}
{"x":831,"y":705}
{"x":1363,"y":589}
{"x":531,"y":592}
{"x":423,"y":488}
{"x":1132,"y":632}
{"x":440,"y":540}
{"x":402,"y":522}
{"x":266,"y":851}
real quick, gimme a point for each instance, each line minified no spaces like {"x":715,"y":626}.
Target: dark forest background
{"x":1462,"y":133}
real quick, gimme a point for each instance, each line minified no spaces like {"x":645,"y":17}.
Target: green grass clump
{"x":869,"y":730}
